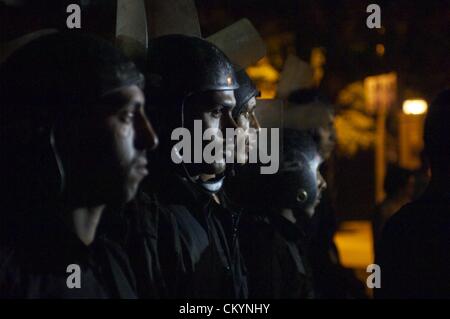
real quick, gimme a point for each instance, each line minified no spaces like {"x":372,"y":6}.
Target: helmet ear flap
{"x":302,"y":196}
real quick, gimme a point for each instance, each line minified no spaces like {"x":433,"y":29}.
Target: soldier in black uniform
{"x":74,"y":137}
{"x":273,"y":242}
{"x":309,"y":110}
{"x":245,"y":117}
{"x":193,"y":235}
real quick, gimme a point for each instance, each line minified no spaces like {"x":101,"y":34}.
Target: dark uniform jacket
{"x":34,"y":265}
{"x":273,"y":249}
{"x":414,"y":252}
{"x":198,"y":244}
{"x":135,"y":228}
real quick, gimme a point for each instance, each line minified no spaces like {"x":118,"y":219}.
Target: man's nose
{"x":254,"y":122}
{"x":146,"y":136}
{"x":227,"y":121}
{"x":322,"y":183}
{"x":333,"y":135}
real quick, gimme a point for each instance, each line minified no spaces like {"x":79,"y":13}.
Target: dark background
{"x":416,"y":36}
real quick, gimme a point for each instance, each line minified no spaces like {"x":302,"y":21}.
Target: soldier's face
{"x":246,"y":120}
{"x":327,"y":134}
{"x":213,"y":108}
{"x":113,"y":144}
{"x":318,"y":185}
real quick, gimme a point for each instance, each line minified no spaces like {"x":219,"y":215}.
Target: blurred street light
{"x":415,"y":107}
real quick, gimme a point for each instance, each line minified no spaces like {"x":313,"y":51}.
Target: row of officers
{"x":88,"y":180}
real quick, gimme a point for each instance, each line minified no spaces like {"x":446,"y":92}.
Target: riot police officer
{"x":74,"y":137}
{"x":191,"y":81}
{"x":273,"y":243}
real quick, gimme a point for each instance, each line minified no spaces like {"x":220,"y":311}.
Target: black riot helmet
{"x":297,"y":177}
{"x":60,"y":73}
{"x":294,"y":186}
{"x":179,"y":66}
{"x":245,"y":92}
{"x":44,"y":84}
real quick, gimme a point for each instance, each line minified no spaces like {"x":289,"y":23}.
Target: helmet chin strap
{"x":212,"y":186}
{"x":60,"y":167}
{"x":186,"y":172}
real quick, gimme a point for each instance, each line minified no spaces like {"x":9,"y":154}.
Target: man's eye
{"x":127,"y":117}
{"x":217,"y":112}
